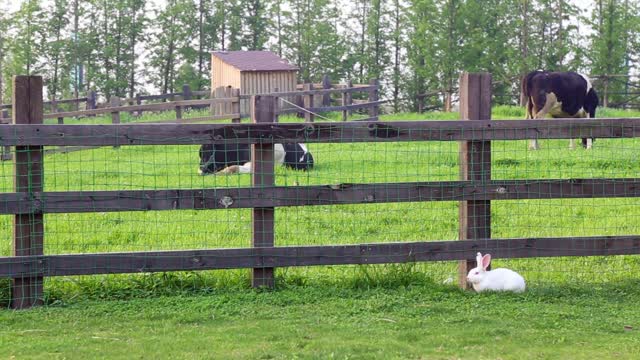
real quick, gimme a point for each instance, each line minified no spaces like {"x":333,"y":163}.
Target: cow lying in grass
{"x":236,"y":158}
{"x":561,"y":95}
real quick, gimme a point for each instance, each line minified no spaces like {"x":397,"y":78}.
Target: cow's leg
{"x":572,"y":144}
{"x":236,"y":169}
{"x":549,"y":102}
{"x":588,"y":143}
{"x":533,"y":143}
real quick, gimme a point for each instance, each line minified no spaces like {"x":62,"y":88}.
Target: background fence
{"x":224,"y":104}
{"x":375,"y":181}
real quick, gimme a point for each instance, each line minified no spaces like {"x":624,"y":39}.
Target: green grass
{"x":575,"y":307}
{"x":418,"y":320}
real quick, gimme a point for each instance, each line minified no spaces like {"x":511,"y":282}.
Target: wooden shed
{"x":253,"y":72}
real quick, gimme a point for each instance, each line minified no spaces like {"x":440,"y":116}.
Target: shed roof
{"x":254,"y":61}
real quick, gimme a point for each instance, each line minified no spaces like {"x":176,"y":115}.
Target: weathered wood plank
{"x":28,"y":228}
{"x":475,"y":165}
{"x":309,"y":103}
{"x":263,"y":174}
{"x":363,"y":254}
{"x":196,"y":120}
{"x":319,"y":132}
{"x":373,"y":103}
{"x":316,"y":195}
{"x":146,"y":107}
{"x":61,"y":101}
{"x":365,"y":105}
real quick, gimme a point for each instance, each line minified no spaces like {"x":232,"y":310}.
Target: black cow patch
{"x":217,"y":157}
{"x":560,"y":95}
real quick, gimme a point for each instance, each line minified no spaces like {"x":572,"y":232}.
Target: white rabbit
{"x":494,"y":280}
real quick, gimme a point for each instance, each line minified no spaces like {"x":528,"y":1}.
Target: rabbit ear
{"x":486,"y":260}
{"x":479,"y":260}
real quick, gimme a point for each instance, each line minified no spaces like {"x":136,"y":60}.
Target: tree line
{"x":122,"y":47}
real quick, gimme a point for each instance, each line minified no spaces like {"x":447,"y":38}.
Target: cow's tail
{"x":526,"y":81}
{"x":591,"y":103}
{"x":525,"y":88}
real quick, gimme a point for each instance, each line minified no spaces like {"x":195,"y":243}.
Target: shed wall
{"x":251,"y":82}
{"x":223,"y":74}
{"x":257,"y":82}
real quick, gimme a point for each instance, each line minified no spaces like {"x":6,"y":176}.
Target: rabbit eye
{"x":477,"y":273}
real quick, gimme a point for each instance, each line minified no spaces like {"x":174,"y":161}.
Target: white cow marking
{"x":588,"y":82}
{"x":304,"y":149}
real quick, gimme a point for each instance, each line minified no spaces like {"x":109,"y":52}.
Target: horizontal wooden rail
{"x":364,"y":105}
{"x":146,"y":107}
{"x":59,"y":102}
{"x":276,"y":196}
{"x":363,"y":254}
{"x":66,"y":101}
{"x":327,"y":132}
{"x":193,"y":120}
{"x":201,"y":92}
{"x":157,"y":97}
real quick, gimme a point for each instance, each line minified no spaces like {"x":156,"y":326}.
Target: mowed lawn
{"x":574,"y":308}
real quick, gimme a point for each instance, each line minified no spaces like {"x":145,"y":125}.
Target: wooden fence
{"x":475,"y":190}
{"x":225,"y":104}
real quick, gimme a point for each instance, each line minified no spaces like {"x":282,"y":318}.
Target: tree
{"x":56,"y":50}
{"x":25,"y":44}
{"x":135,"y":29}
{"x":170,"y":44}
{"x":615,"y":24}
{"x":256,"y":24}
{"x":398,"y":18}
{"x":312,"y":41}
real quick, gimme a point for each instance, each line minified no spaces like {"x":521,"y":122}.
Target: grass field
{"x":575,"y":307}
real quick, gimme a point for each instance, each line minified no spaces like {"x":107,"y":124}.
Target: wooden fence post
{"x":345,"y":113}
{"x":475,"y":164}
{"x":28,"y":229}
{"x":54,"y":108}
{"x":139,"y":102}
{"x":349,"y":97}
{"x":420,"y":101}
{"x":91,"y":101}
{"x":178,"y":112}
{"x":373,"y":97}
{"x":264,"y":110}
{"x":308,"y":103}
{"x":235,"y":106}
{"x":326,"y":84}
{"x":114,"y":102}
{"x":5,"y":152}
{"x":186,"y":92}
{"x":115,"y":115}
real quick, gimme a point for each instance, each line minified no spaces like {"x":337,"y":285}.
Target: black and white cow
{"x":236,"y":158}
{"x":560,"y":95}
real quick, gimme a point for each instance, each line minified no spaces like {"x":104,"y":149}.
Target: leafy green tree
{"x":56,"y":50}
{"x":170,"y":45}
{"x":311,"y":39}
{"x":4,"y":26}
{"x":397,"y":21}
{"x":135,"y":27}
{"x":256,"y":24}
{"x":615,"y":24}
{"x":25,"y":44}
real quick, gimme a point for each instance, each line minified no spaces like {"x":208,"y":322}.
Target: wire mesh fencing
{"x":377,"y":193}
